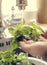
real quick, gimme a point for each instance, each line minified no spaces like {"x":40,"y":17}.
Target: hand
{"x":35,"y":49}
{"x":28,"y":41}
{"x":41,"y":38}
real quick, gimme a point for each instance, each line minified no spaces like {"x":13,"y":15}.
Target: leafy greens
{"x":28,"y":31}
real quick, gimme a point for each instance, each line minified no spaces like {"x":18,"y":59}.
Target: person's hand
{"x":35,"y":49}
{"x":28,"y":41}
{"x":44,"y":34}
{"x":41,"y":38}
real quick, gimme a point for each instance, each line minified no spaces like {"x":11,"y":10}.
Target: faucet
{"x":21,"y":4}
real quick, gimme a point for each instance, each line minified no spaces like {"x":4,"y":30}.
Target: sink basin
{"x":37,"y":61}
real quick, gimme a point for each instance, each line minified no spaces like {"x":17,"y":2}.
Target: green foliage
{"x":14,"y":44}
{"x":8,"y":57}
{"x":11,"y":30}
{"x":37,"y":27}
{"x":31,"y":31}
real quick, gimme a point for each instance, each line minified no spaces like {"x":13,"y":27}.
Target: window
{"x":7,"y":5}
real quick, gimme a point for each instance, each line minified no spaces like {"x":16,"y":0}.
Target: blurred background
{"x":30,"y":9}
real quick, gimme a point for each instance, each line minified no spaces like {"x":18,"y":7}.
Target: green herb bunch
{"x":10,"y":58}
{"x":32,"y":32}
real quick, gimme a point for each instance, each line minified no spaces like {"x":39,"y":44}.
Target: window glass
{"x":7,"y":5}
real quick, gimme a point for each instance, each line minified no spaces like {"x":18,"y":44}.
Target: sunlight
{"x":7,"y":5}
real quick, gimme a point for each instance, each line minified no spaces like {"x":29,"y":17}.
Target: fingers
{"x":25,"y":41}
{"x":42,"y":38}
{"x":24,"y":46}
{"x":28,"y":41}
